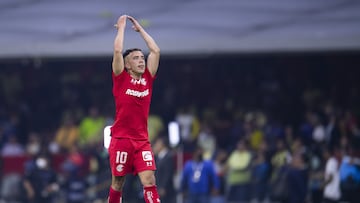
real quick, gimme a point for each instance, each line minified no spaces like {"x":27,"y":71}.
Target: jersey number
{"x":121,"y":157}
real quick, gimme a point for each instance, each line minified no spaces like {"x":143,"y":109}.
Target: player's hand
{"x":121,"y":22}
{"x":136,"y":25}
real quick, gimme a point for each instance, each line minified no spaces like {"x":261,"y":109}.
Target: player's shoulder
{"x":148,"y":74}
{"x":122,"y":74}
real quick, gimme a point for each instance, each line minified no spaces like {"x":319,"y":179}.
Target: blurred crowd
{"x":266,"y":129}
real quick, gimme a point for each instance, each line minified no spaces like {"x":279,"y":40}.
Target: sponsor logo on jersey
{"x":146,"y":155}
{"x":141,"y":81}
{"x":136,"y":93}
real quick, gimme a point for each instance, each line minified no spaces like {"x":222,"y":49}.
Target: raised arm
{"x":154,"y":50}
{"x":118,"y":60}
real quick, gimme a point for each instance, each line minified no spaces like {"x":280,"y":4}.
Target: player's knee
{"x":118,"y":183}
{"x":148,"y":180}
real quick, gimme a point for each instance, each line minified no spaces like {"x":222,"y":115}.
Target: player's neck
{"x":136,"y":76}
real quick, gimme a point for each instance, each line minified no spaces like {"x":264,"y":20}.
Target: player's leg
{"x":115,"y":192}
{"x":147,"y":179}
{"x":120,"y":157}
{"x":144,"y":165}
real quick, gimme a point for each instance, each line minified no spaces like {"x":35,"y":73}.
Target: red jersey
{"x":132,"y":101}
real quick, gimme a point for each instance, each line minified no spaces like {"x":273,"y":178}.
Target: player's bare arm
{"x":118,"y":60}
{"x":154,"y":50}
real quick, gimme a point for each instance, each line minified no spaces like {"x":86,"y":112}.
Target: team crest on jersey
{"x":141,"y":81}
{"x":146,"y":155}
{"x":120,"y":167}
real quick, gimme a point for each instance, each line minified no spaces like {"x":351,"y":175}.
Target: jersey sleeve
{"x":148,"y":74}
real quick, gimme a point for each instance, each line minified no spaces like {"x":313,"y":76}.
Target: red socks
{"x":151,"y":195}
{"x":114,"y":196}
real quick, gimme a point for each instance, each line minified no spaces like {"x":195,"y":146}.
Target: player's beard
{"x":137,"y":71}
{"x":140,"y":69}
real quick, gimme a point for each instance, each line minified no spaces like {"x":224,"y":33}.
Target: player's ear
{"x":126,"y":64}
{"x":127,"y":67}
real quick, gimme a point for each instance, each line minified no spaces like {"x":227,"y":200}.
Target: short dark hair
{"x":128,"y":51}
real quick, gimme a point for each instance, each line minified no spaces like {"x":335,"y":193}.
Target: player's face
{"x":135,"y":62}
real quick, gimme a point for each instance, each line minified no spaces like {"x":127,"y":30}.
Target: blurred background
{"x":259,"y":89}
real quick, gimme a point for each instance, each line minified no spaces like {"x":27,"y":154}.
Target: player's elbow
{"x":117,"y":51}
{"x":156,"y":51}
{"x":118,"y":48}
{"x":117,"y":54}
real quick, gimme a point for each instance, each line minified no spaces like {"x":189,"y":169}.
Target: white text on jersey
{"x":136,"y":93}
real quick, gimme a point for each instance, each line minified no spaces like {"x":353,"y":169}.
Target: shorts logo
{"x":119,"y":167}
{"x":146,"y":155}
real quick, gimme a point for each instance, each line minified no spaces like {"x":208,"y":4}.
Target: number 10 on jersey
{"x":121,"y":157}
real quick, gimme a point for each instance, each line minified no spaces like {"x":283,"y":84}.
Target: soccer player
{"x":130,"y":150}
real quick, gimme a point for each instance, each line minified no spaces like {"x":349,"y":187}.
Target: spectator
{"x":219,"y":163}
{"x":165,"y":169}
{"x":75,"y":162}
{"x":332,"y":192}
{"x":298,"y":179}
{"x":207,"y":141}
{"x":189,"y":127}
{"x":40,"y":183}
{"x":155,"y":126}
{"x":291,"y":182}
{"x":319,"y":133}
{"x":332,"y":131}
{"x":350,"y":178}
{"x":238,"y":169}
{"x":280,"y":158}
{"x":75,"y":184}
{"x":9,"y":127}
{"x":10,"y":188}
{"x":33,"y":148}
{"x":199,"y":180}
{"x":257,"y":134}
{"x":91,"y":128}
{"x":316,"y":177}
{"x":75,"y":188}
{"x":67,"y":135}
{"x":261,"y":171}
{"x":12,"y":147}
